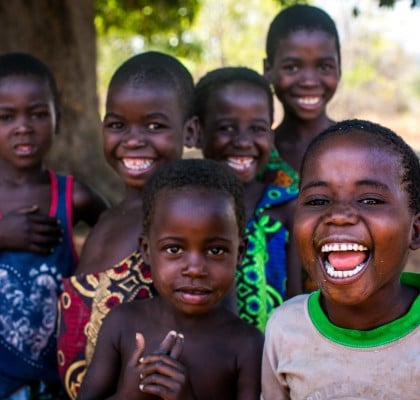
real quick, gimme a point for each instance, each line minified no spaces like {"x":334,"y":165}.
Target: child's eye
{"x":154,"y":126}
{"x":290,"y":67}
{"x":6,"y":117}
{"x":114,"y":125}
{"x":326,"y":67}
{"x":227,"y":128}
{"x":260,"y":129}
{"x":173,"y":249}
{"x":216,"y":251}
{"x":316,"y":202}
{"x":40,"y":114}
{"x":371,"y":201}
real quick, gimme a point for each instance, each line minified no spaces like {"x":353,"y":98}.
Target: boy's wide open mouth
{"x":344,"y":260}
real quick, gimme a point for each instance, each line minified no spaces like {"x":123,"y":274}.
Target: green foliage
{"x":145,"y":17}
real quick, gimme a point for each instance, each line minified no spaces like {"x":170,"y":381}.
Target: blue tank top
{"x":29,"y":288}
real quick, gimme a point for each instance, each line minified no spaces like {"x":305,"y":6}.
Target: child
{"x":147,"y":121}
{"x":38,"y":211}
{"x":188,"y":346}
{"x":357,"y":218}
{"x":303,"y":65}
{"x":234,"y":106}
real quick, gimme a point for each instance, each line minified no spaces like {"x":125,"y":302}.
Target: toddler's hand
{"x":29,"y":230}
{"x":162,"y":374}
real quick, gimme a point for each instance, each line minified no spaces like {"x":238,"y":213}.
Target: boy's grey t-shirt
{"x":306,"y":357}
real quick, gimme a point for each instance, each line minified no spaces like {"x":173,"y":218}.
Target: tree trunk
{"x":62,"y":34}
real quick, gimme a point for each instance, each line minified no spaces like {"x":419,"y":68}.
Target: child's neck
{"x":253,"y":192}
{"x":15,"y":176}
{"x":177,"y":320}
{"x":299,"y":130}
{"x":380,"y":309}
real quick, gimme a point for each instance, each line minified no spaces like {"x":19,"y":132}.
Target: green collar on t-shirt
{"x":372,"y":338}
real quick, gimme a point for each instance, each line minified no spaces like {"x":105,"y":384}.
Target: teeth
{"x":308,"y":101}
{"x":342,"y":274}
{"x":137,"y":164}
{"x":328,"y":248}
{"x":240,"y":163}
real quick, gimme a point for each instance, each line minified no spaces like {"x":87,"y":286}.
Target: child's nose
{"x":242,"y":138}
{"x":23,"y":126}
{"x":195,"y":266}
{"x":309,"y":76}
{"x":135,"y":136}
{"x":341,"y":214}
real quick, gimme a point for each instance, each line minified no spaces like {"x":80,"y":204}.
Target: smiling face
{"x":353,"y":225}
{"x":193,"y":246}
{"x":27,"y":120}
{"x":237,"y":129}
{"x":142,"y":129}
{"x":305,"y":73}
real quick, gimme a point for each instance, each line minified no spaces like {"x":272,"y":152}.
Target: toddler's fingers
{"x":28,"y":210}
{"x":167,"y":343}
{"x":177,"y":348}
{"x":135,"y":360}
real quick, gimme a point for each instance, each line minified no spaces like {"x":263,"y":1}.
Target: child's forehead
{"x":145,"y":87}
{"x":188,"y":192}
{"x":363,"y":147}
{"x":308,"y":36}
{"x":158,"y":97}
{"x":24,"y":80}
{"x":26,"y":85}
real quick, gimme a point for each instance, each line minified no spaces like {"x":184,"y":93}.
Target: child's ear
{"x":57,"y":122}
{"x":243,"y":244}
{"x":144,"y":248}
{"x":267,"y":69}
{"x":415,"y":236}
{"x":191,"y":132}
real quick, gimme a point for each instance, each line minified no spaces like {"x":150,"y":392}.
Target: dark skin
{"x":304,"y":73}
{"x":366,"y":206}
{"x":143,"y":128}
{"x":183,"y":344}
{"x":236,"y":132}
{"x":27,"y":125}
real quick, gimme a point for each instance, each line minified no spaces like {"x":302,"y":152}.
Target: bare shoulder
{"x":125,"y":316}
{"x":240,"y":333}
{"x":284,"y":212}
{"x":88,"y":204}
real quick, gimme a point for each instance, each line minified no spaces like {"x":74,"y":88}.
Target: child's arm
{"x":87,"y":204}
{"x":27,"y":229}
{"x":102,"y":377}
{"x":293,"y":264}
{"x":249,"y":368}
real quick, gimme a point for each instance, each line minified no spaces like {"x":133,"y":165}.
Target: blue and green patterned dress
{"x":261,"y":279}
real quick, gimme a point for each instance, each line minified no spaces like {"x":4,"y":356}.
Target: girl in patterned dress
{"x":235,"y":110}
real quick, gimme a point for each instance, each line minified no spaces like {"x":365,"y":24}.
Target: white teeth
{"x":137,"y":164}
{"x":328,"y":248}
{"x":308,"y":101}
{"x":240,"y":163}
{"x":342,"y":274}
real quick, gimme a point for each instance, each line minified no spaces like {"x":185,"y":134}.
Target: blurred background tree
{"x":83,"y":41}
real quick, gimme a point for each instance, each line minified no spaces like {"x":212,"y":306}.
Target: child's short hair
{"x":220,"y":77}
{"x":183,"y":174}
{"x":157,"y":68}
{"x":386,"y":138}
{"x":25,"y":64}
{"x":299,"y":17}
